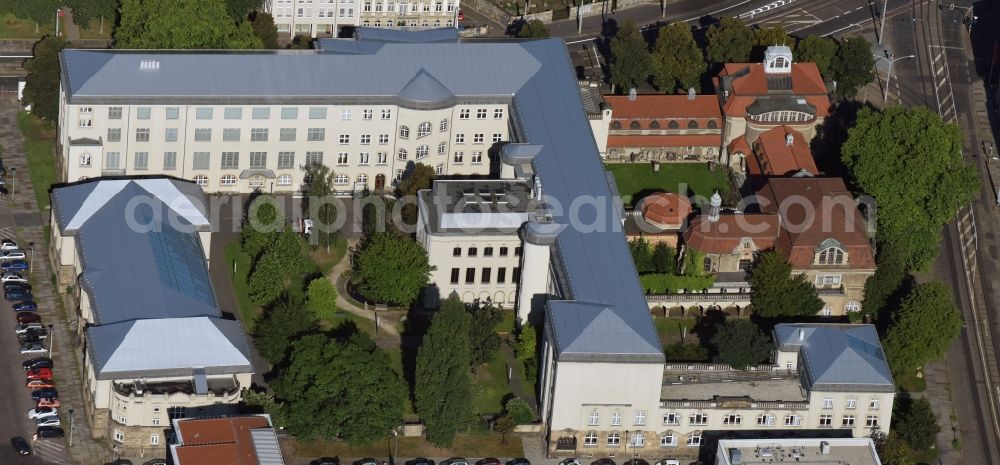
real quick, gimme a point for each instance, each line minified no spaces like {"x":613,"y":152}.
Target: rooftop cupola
{"x":778,"y":59}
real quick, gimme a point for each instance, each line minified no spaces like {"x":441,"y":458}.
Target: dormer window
{"x":780,"y":63}
{"x":634,"y":125}
{"x":830,"y":252}
{"x":616,"y":125}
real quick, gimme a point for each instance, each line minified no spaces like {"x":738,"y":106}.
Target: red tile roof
{"x":806,"y":83}
{"x":724,"y":236}
{"x":814,"y":210}
{"x":665,"y":208}
{"x":219,"y":441}
{"x":775,"y":157}
{"x":679,"y":140}
{"x":664,"y":106}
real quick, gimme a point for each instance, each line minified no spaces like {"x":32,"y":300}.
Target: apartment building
{"x":256,"y":130}
{"x":155,"y":345}
{"x":329,"y":17}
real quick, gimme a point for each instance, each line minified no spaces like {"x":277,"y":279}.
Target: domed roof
{"x":665,"y":208}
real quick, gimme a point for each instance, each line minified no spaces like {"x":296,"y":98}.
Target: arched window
{"x":442,"y":148}
{"x":424,"y":129}
{"x":852,"y":306}
{"x":616,"y":125}
{"x":707,"y":265}
{"x":362,"y":179}
{"x":444,"y":125}
{"x":712,"y":124}
{"x":830,"y":256}
{"x":401,"y":154}
{"x":284,"y":180}
{"x":673,"y":124}
{"x":692,"y":124}
{"x":654,"y":125}
{"x":201,"y":180}
{"x":404,"y":132}
{"x":779,"y":62}
{"x":228,"y":180}
{"x":341,"y":179}
{"x":423,"y":151}
{"x":634,"y":125}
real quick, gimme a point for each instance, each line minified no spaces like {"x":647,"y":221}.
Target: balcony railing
{"x":839,"y":290}
{"x":216,"y":387}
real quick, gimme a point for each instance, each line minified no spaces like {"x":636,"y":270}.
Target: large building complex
{"x":135,"y":250}
{"x":330,"y":17}
{"x":773,"y":451}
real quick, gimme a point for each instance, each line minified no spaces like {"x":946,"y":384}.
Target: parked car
{"x":14,"y":265}
{"x":604,"y":461}
{"x":26,"y":306}
{"x":39,"y":412}
{"x":28,"y":317}
{"x":47,"y":402}
{"x":669,"y":462}
{"x":637,"y":462}
{"x":38,"y":362}
{"x":11,"y":277}
{"x":571,"y":461}
{"x":51,"y":420}
{"x":461,"y":15}
{"x":47,"y":393}
{"x":8,"y":244}
{"x":488,"y":461}
{"x":39,"y":373}
{"x":49,"y":432}
{"x":155,"y":462}
{"x":325,"y":461}
{"x":20,"y":445}
{"x":518,"y":461}
{"x":367,"y":461}
{"x":14,"y":254}
{"x":35,"y":384}
{"x":456,"y":461}
{"x":36,"y":334}
{"x":25,"y":327}
{"x":420,"y":461}
{"x":33,"y":348}
{"x":18,"y":295}
{"x":11,"y":285}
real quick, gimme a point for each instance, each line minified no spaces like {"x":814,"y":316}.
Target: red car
{"x":35,"y":384}
{"x":40,"y":373}
{"x":28,"y":317}
{"x":46,"y":402}
{"x":461,"y":15}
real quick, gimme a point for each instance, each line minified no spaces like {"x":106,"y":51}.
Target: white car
{"x":28,"y":327}
{"x":16,"y":254}
{"x":51,"y":420}
{"x":8,"y":245}
{"x":11,"y":277}
{"x":42,"y":412}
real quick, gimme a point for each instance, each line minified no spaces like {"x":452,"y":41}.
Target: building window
{"x":231,"y":135}
{"x":473,"y":251}
{"x":143,"y":113}
{"x":503,"y":251}
{"x":228,"y":180}
{"x":847,"y":421}
{"x":261,"y":113}
{"x":156,"y":421}
{"x":203,"y":113}
{"x":693,"y":124}
{"x":443,"y":126}
{"x":142,"y":135}
{"x":668,"y":440}
{"x":638,"y":439}
{"x":459,"y":138}
{"x":317,"y":113}
{"x":233,"y":113}
{"x":386,"y":114}
{"x":170,"y":135}
{"x":745,"y":264}
{"x":478,"y":138}
{"x":871,"y":421}
{"x":284,"y":180}
{"x":383,"y":158}
{"x":404,"y":132}
{"x":86,"y":123}
{"x":698,"y":419}
{"x":830,"y":256}
{"x":616,"y":418}
{"x":362,"y":179}
{"x":258,"y":160}
{"x":286,"y":135}
{"x":363,"y":158}
{"x":114,"y":135}
{"x":203,"y":135}
{"x":342,"y":158}
{"x":442,"y":148}
{"x":230,"y":160}
{"x":485,"y":276}
{"x":590,"y":440}
{"x":851,"y":403}
{"x":828,"y":402}
{"x":316,"y":134}
{"x":732,"y":419}
{"x":852,"y":306}
{"x":515,"y":275}
{"x":366,"y":114}
{"x":477,"y":157}
{"x":463,"y":114}
{"x":345,"y":114}
{"x":286,"y":160}
{"x":366,"y":139}
{"x":517,"y":251}
{"x":640,"y":417}
{"x":501,"y":275}
{"x":498,"y":113}
{"x":439,"y":169}
{"x":793,"y":420}
{"x":119,"y":436}
{"x":169,"y":161}
{"x":423,"y":151}
{"x":481,"y":113}
{"x":470,"y":275}
{"x":671,"y":418}
{"x":141,"y":161}
{"x":828,"y":280}
{"x":694,"y":439}
{"x":424,"y":129}
{"x":765,"y":419}
{"x":114,"y":112}
{"x":289,"y":113}
{"x":258,"y":135}
{"x":314,"y":158}
{"x":454,"y":275}
{"x":456,"y":252}
{"x":614,"y":439}
{"x":458,"y":157}
{"x":825,"y":421}
{"x":706,"y":265}
{"x":873,"y":403}
{"x":497,"y":137}
{"x":200,"y":160}
{"x":383,"y":139}
{"x":85,"y":159}
{"x":341,"y":179}
{"x":201,"y":180}
{"x":399,"y":175}
{"x":401,"y":154}
{"x":344,"y":139}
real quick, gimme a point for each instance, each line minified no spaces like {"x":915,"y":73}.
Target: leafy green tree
{"x":819,"y":50}
{"x":534,"y":29}
{"x":526,"y":344}
{"x":882,"y":288}
{"x":341,"y":388}
{"x":676,"y":59}
{"x":483,"y":338}
{"x":301,"y":42}
{"x":320,"y":203}
{"x":922,"y":328}
{"x":392,"y":269}
{"x":642,"y":255}
{"x":914,"y":422}
{"x":767,"y":36}
{"x":279,"y":326}
{"x":267,"y":403}
{"x":853,"y":66}
{"x":263,"y":27}
{"x":239,"y":9}
{"x":630,"y":65}
{"x":505,"y":425}
{"x":730,"y":41}
{"x":261,"y":226}
{"x":39,"y":11}
{"x":84,"y":11}
{"x":664,"y":258}
{"x":275,"y":267}
{"x":891,"y":449}
{"x":741,"y":344}
{"x":443,"y":385}
{"x":776,"y":292}
{"x":881,"y":153}
{"x":41,"y":89}
{"x":180,"y":24}
{"x":322,"y":297}
{"x":419,"y":178}
{"x":519,"y":410}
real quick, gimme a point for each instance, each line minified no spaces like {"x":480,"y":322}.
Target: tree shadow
{"x":831,"y":136}
{"x":706,"y":327}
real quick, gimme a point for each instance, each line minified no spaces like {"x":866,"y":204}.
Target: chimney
{"x":631,"y":94}
{"x":691,"y":93}
{"x":789,"y":139}
{"x":802,"y":334}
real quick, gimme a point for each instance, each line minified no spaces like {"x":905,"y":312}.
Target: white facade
{"x":241,"y":148}
{"x":328,"y":17}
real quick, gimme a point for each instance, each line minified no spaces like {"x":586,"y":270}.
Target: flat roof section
{"x":825,"y":451}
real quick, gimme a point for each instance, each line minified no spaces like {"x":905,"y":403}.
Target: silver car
{"x":16,"y":254}
{"x":51,"y":420}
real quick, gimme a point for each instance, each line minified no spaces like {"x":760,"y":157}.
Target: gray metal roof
{"x":265,"y":445}
{"x":140,"y":251}
{"x":168,"y":347}
{"x":596,"y":267}
{"x":838,"y":356}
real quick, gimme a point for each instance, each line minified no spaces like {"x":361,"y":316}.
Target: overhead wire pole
{"x":888,"y":75}
{"x":881,"y":28}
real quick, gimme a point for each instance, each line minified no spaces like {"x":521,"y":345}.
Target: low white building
{"x":330,"y":17}
{"x":155,"y":344}
{"x":813,"y":451}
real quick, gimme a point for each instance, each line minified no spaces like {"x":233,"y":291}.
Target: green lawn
{"x":247,"y":309}
{"x":636,"y":180}
{"x":93,"y":30}
{"x":671,"y":329}
{"x":39,"y":147}
{"x":492,"y":381}
{"x":12,"y":27}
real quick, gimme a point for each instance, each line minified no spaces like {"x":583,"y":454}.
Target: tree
{"x":261,"y":226}
{"x":239,"y":9}
{"x":741,"y":344}
{"x":279,"y":326}
{"x":629,"y":57}
{"x":263,"y":27}
{"x":322,"y":297}
{"x":443,"y":386}
{"x":266,"y":403}
{"x":642,"y":255}
{"x":664,"y":258}
{"x":853,"y":66}
{"x":676,"y":59}
{"x":767,"y":36}
{"x":341,"y":388}
{"x":883,"y":287}
{"x":914,"y":422}
{"x":819,"y":50}
{"x":505,"y":425}
{"x":86,"y":10}
{"x":274,"y":267}
{"x":891,"y":449}
{"x":190,"y":24}
{"x":922,"y":328}
{"x":519,"y":410}
{"x":526,"y":350}
{"x":41,"y":89}
{"x":776,"y":292}
{"x":483,"y":338}
{"x":301,"y":42}
{"x":392,"y":269}
{"x":730,"y":41}
{"x":419,"y":178}
{"x":39,"y":11}
{"x":880,"y":152}
{"x":320,"y":203}
{"x":534,"y":29}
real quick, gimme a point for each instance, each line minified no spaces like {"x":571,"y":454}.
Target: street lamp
{"x":888,"y":74}
{"x":395,"y":446}
{"x":71,"y":427}
{"x":881,"y":28}
{"x":31,"y":250}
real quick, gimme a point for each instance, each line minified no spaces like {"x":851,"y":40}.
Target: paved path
{"x":70,"y":30}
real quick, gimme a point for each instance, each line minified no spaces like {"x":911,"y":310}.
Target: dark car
{"x":367,"y":461}
{"x":121,"y":462}
{"x":19,"y":295}
{"x":11,"y":285}
{"x":28,"y":317}
{"x":47,"y":393}
{"x":49,"y":432}
{"x":38,"y":362}
{"x":420,"y":461}
{"x":33,"y":335}
{"x":488,"y":461}
{"x":14,"y":265}
{"x":604,"y":461}
{"x":518,"y":461}
{"x":456,"y":461}
{"x":20,"y":445}
{"x":155,"y":462}
{"x":325,"y":461}
{"x":26,"y":306}
{"x":637,"y":462}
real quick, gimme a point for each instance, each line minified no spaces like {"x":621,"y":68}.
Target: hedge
{"x":662,"y":283}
